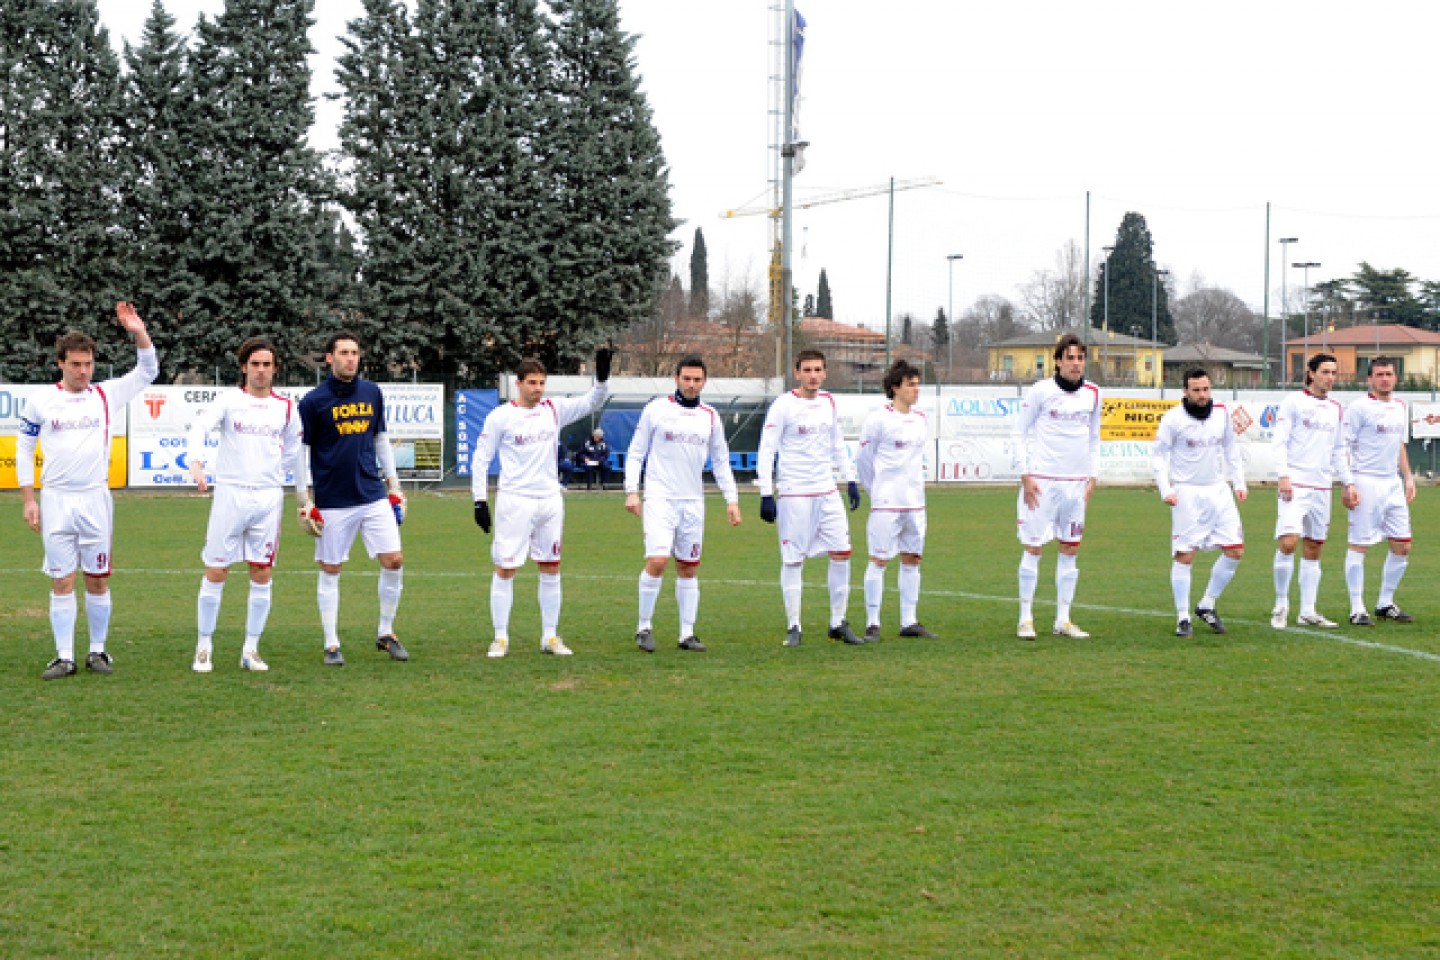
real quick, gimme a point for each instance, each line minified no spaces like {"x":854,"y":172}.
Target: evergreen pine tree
{"x":59,"y":136}
{"x":699,"y":278}
{"x":1133,"y":291}
{"x":259,"y":230}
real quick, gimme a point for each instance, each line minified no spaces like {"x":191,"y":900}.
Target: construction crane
{"x":840,"y":196}
{"x":778,"y":299}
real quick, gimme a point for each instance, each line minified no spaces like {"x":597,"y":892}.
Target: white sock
{"x":1067,"y":574}
{"x":909,"y":578}
{"x":649,"y":595}
{"x":207,"y":609}
{"x":97,"y":614}
{"x":1029,"y":579}
{"x":1284,"y":569}
{"x":1355,"y":579}
{"x":549,"y":594}
{"x":687,"y":598}
{"x":839,"y":580}
{"x":1395,"y":565}
{"x":1220,"y":576}
{"x":257,"y":612}
{"x":874,"y":583}
{"x":1309,"y":585}
{"x":1180,"y":588}
{"x":392,"y":584}
{"x":792,"y":584}
{"x":327,"y":598}
{"x":62,"y":624}
{"x":502,"y":598}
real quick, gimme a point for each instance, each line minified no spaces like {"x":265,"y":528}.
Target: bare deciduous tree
{"x":1055,"y":299}
{"x":1216,"y":316}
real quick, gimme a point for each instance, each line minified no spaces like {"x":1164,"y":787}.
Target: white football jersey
{"x":670,"y":445}
{"x":259,"y":438}
{"x":528,"y":440}
{"x":1199,"y":452}
{"x":1375,"y":431}
{"x":805,"y":434}
{"x":1309,"y":440}
{"x":74,"y":429}
{"x":1066,"y":428}
{"x":890,"y":462}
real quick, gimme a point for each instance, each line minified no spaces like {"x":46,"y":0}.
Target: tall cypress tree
{"x":1133,"y":293}
{"x":699,"y":278}
{"x":59,"y":136}
{"x":824,"y":306}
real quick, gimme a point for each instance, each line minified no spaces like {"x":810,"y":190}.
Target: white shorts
{"x":810,"y":526}
{"x":1382,"y":514}
{"x":375,"y":522}
{"x":77,"y":528}
{"x":1060,"y":516}
{"x":536,"y":522}
{"x":1204,"y":518}
{"x":244,"y":525}
{"x":1306,"y":514}
{"x":892,"y":532}
{"x":674,"y":528}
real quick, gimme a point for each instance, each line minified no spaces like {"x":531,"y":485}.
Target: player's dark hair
{"x":76,"y":341}
{"x":339,"y":335}
{"x":529,"y":366}
{"x":1065,"y":343}
{"x":693,"y":360}
{"x":1314,"y":362}
{"x":895,"y":377}
{"x":1383,"y":362}
{"x":1195,"y":373}
{"x":804,"y":355}
{"x":252,"y":346}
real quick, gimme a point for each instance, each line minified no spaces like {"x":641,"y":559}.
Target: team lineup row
{"x":346,"y":485}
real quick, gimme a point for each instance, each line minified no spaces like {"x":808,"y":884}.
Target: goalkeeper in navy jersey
{"x":346,"y":456}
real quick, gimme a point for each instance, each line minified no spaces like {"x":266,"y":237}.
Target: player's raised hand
{"x":603,"y":357}
{"x":128,"y":317}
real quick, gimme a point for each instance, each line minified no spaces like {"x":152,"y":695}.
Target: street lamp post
{"x":1105,"y":315}
{"x":950,"y":320}
{"x":1155,"y":313}
{"x":1305,"y":292}
{"x":1284,"y":307}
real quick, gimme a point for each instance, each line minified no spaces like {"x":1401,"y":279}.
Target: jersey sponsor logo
{"x":694,"y":439}
{"x":1069,"y":416}
{"x":81,"y":423}
{"x":527,"y":439}
{"x":1323,"y":426}
{"x":255,"y":429}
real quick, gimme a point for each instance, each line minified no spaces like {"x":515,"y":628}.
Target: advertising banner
{"x":471,"y":409}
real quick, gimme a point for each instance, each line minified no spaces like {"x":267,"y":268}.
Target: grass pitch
{"x":1134,"y":795}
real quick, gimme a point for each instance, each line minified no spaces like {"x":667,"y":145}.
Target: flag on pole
{"x":796,"y":51}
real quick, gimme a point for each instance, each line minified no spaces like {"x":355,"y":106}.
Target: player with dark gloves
{"x":482,"y":515}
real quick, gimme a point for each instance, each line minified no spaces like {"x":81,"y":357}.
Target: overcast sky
{"x":1195,"y":116}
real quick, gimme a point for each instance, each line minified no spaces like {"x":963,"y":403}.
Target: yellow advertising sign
{"x":1126,"y":418}
{"x":118,"y":459}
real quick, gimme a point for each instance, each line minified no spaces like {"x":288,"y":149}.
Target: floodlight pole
{"x":1285,"y":303}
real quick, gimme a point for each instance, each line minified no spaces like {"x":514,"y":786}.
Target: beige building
{"x":1114,"y":359}
{"x":1416,"y":352}
{"x":1227,"y":368}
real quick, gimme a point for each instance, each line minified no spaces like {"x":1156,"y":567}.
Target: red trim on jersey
{"x":105,"y":402}
{"x":1231,"y":546}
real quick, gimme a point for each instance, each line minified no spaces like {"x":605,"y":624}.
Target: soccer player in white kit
{"x":529,"y":507}
{"x":890,"y":465}
{"x":671,"y":443}
{"x":1194,"y":449}
{"x":1056,"y":480}
{"x":75,"y":514}
{"x":1309,"y":444}
{"x":803,"y":430}
{"x":1375,"y":427}
{"x":259,"y":441}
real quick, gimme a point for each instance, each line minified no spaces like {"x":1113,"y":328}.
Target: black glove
{"x":767,"y":509}
{"x":603,"y":356}
{"x":853,"y":492}
{"x":482,"y":515}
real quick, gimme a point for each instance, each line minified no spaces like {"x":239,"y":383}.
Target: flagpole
{"x":787,"y":174}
